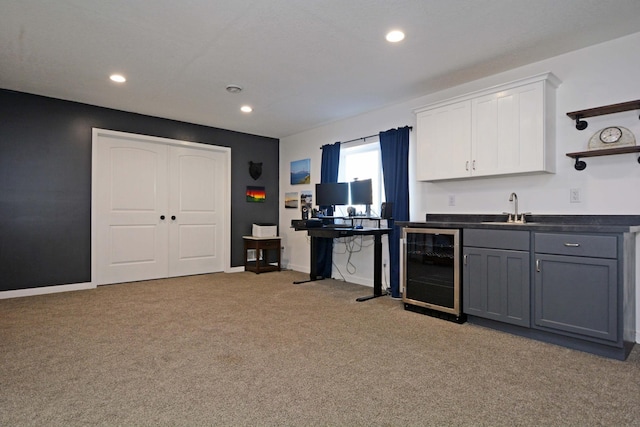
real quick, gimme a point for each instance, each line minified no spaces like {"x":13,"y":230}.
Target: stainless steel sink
{"x":507,"y":223}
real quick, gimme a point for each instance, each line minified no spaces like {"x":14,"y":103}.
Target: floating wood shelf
{"x":600,"y":111}
{"x":580,"y":165}
{"x":607,"y":109}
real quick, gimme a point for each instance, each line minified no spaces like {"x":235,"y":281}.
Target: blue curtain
{"x":328,"y":173}
{"x":394,"y":147}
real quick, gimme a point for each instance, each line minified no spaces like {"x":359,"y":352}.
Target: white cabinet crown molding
{"x":549,"y":77}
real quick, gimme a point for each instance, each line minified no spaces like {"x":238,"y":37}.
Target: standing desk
{"x":336,"y":232}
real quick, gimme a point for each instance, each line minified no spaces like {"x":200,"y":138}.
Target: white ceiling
{"x":302,"y":63}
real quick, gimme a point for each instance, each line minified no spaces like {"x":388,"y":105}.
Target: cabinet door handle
{"x":464,"y":258}
{"x":572,"y":245}
{"x":466,"y":165}
{"x":473,"y":165}
{"x":538,"y":265}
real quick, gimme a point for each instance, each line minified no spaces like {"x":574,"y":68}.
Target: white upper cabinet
{"x":508,"y":129}
{"x":444,"y":142}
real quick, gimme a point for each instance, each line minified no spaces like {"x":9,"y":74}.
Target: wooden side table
{"x":263,"y":247}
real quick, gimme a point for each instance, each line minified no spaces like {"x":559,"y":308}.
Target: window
{"x":361,"y":162}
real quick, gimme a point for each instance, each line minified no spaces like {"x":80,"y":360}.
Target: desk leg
{"x":313,"y":267}
{"x":377,"y":270}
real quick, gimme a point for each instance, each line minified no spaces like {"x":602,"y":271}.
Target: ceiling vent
{"x":234,"y":89}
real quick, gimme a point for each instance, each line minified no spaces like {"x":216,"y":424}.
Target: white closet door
{"x":130,"y":196}
{"x":160,"y":207}
{"x":196,"y":201}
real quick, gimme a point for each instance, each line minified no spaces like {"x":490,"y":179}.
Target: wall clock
{"x":612,"y":137}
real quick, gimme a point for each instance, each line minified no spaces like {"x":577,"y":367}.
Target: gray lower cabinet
{"x":496,"y":275}
{"x":576,"y":285}
{"x":571,"y":289}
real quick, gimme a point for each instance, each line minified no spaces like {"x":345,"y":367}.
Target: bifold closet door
{"x":159,"y":210}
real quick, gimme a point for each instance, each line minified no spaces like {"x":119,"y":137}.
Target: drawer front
{"x":597,"y":246}
{"x":269,"y":244}
{"x":496,"y":239}
{"x":261,"y":244}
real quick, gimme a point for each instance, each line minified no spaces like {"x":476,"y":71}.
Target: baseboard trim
{"x":295,"y":267}
{"x":46,"y":290}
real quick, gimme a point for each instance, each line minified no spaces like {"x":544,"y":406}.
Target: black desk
{"x":333,"y":233}
{"x":351,"y":219}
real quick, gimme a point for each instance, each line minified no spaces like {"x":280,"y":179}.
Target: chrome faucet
{"x":513,"y":217}
{"x":514,"y":198}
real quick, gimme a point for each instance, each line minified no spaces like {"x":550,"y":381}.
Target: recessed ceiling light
{"x":234,"y":89}
{"x":395,"y":36}
{"x":118,"y":78}
{"x":246,"y":109}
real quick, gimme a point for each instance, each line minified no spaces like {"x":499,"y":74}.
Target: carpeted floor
{"x":255,"y":350}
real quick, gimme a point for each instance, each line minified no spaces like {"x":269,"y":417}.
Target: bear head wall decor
{"x":255,"y":170}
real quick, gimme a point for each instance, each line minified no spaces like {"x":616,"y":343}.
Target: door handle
{"x":466,"y":165}
{"x":538,"y":265}
{"x":173,"y":217}
{"x":473,"y":165}
{"x":162,"y":217}
{"x":572,"y":245}
{"x":464,"y":259}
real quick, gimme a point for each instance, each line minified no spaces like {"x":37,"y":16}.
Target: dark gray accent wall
{"x":45,"y":183}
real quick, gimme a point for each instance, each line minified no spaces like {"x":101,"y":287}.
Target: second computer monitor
{"x":361,"y":192}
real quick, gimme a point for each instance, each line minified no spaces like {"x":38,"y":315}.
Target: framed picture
{"x":256,"y":194}
{"x":301,"y":172}
{"x":306,"y":201}
{"x":291,"y":200}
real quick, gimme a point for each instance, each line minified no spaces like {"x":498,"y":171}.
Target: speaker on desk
{"x":386,"y":210}
{"x":305,"y":212}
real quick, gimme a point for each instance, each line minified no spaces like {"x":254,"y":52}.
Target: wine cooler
{"x":430,"y":275}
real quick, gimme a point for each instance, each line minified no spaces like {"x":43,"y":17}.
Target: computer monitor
{"x":332,"y":193}
{"x":361,"y":192}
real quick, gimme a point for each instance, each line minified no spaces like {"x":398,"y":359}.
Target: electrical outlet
{"x":452,"y":200}
{"x":574,"y":195}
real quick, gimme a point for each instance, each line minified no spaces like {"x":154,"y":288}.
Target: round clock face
{"x":610,"y":135}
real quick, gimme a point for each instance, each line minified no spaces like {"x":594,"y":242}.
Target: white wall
{"x":599,"y":75}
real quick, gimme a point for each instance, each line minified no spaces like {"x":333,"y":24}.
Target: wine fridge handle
{"x":403,"y":267}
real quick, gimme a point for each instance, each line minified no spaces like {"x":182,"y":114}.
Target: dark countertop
{"x":555,"y":223}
